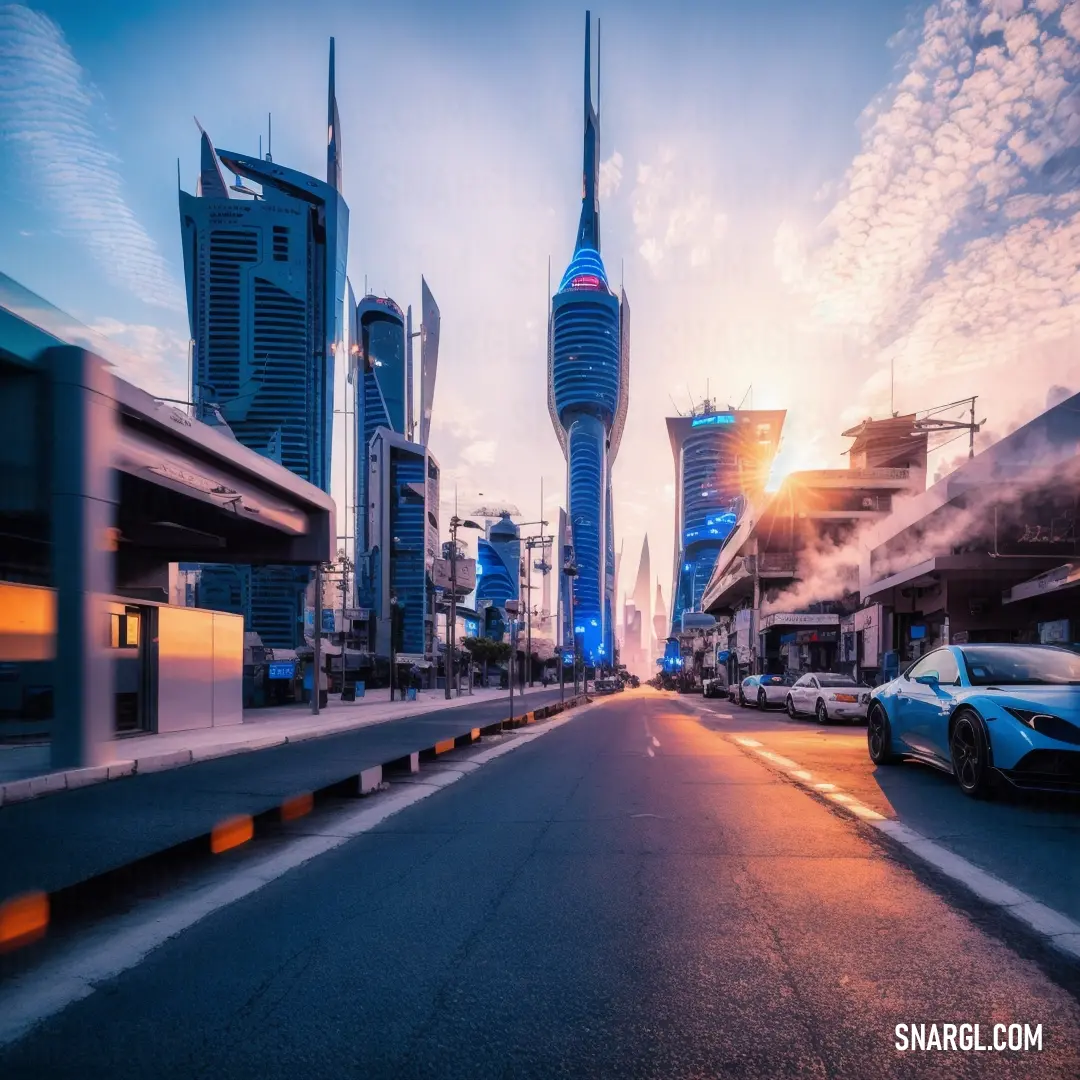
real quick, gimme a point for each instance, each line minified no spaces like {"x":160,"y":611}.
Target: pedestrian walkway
{"x":83,"y":831}
{"x":25,"y":771}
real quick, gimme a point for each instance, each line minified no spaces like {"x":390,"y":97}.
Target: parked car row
{"x":987,"y":714}
{"x":819,"y":694}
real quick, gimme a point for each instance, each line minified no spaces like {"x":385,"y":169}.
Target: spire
{"x":211,"y":182}
{"x":589,"y":226}
{"x":333,"y":131}
{"x":641,"y":596}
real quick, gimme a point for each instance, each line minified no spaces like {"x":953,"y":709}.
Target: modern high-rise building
{"x":265,"y":276}
{"x":403,"y":538}
{"x":393,"y":573}
{"x":637,"y":632}
{"x":498,"y":573}
{"x":661,"y":627}
{"x":722,"y":458}
{"x":588,"y":391}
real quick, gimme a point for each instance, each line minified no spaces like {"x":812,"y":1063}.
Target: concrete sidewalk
{"x":25,"y":771}
{"x":75,"y":835}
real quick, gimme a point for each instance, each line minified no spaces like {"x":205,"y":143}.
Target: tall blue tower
{"x":588,"y":390}
{"x":265,"y":274}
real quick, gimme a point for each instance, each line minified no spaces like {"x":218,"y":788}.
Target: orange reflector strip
{"x":442,"y":747}
{"x":230,"y":833}
{"x":474,"y":734}
{"x":297,"y":806}
{"x":23,"y":919}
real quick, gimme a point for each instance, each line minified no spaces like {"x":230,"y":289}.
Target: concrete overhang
{"x":1061,"y":577}
{"x":187,"y":491}
{"x":950,"y":567}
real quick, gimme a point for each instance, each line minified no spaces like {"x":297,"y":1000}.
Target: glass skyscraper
{"x":378,"y":336}
{"x":588,"y":385}
{"x":265,"y":275}
{"x":722,"y":458}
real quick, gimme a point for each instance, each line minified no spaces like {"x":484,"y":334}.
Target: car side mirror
{"x":929,"y":678}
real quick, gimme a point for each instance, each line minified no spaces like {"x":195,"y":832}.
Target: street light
{"x":569,"y":571}
{"x":451,"y":633}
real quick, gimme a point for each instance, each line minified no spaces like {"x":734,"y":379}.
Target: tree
{"x":484,"y":651}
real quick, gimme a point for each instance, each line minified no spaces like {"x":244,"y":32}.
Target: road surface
{"x":630,"y":895}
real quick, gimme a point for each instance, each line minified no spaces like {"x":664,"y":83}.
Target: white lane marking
{"x":34,"y":997}
{"x":776,"y":759}
{"x":1061,"y":931}
{"x":743,"y":741}
{"x":652,"y":752}
{"x":655,"y":741}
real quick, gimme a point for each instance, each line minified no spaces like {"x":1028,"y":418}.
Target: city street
{"x":1031,"y":841}
{"x":631,"y":894}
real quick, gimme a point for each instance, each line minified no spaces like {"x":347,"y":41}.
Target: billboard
{"x":465,"y":572}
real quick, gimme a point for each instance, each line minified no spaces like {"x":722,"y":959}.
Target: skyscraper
{"x":265,"y":275}
{"x":660,"y":625}
{"x":722,"y":458}
{"x":393,"y":572}
{"x":588,"y":387}
{"x":498,"y":573}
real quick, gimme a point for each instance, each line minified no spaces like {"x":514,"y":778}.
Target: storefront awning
{"x":1061,"y":577}
{"x":798,"y":618}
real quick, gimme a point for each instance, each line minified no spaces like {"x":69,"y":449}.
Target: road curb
{"x":33,"y":787}
{"x":352,"y":782}
{"x":1052,"y":927}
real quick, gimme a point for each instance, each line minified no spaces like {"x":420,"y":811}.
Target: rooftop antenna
{"x":260,"y":148}
{"x":269,"y":137}
{"x":674,"y":405}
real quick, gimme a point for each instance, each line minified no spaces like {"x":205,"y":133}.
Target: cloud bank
{"x":952,"y":244}
{"x":47,"y":107}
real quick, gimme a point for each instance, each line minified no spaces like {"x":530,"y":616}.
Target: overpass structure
{"x":102,"y":487}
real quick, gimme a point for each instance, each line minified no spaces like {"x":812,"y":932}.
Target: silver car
{"x":828,"y":697}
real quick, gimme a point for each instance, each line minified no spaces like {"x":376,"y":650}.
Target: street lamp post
{"x":570,"y":572}
{"x":451,"y":631}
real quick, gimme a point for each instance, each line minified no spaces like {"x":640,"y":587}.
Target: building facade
{"x":588,"y":386}
{"x":403,"y":542}
{"x":722,"y":459}
{"x":265,"y":276}
{"x":498,"y":574}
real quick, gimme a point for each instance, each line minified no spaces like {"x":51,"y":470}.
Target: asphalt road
{"x":629,"y":896}
{"x":1031,"y":841}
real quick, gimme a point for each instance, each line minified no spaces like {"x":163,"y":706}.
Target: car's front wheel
{"x":879,"y":736}
{"x":821,"y":712}
{"x":970,"y":755}
{"x":762,"y":700}
{"x":790,"y":705}
{"x":742,"y":698}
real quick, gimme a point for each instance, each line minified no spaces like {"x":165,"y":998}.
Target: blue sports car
{"x":980,"y":711}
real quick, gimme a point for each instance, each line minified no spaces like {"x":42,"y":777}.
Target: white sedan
{"x":828,"y":697}
{"x":772,"y":690}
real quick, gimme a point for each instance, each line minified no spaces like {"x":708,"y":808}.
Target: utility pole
{"x":318,"y":640}
{"x":451,"y":631}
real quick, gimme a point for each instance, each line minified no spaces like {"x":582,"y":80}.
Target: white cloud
{"x":47,"y":107}
{"x":611,"y":175}
{"x":481,"y":452}
{"x":155,"y":360}
{"x":673,"y":215}
{"x":951,"y":245}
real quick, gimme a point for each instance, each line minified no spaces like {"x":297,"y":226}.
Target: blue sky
{"x":802,"y":197}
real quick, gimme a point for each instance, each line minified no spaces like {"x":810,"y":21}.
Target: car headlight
{"x":1047,"y":724}
{"x":1031,"y":718}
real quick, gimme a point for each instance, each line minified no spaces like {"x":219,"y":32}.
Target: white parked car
{"x":772,"y":690}
{"x":828,"y":697}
